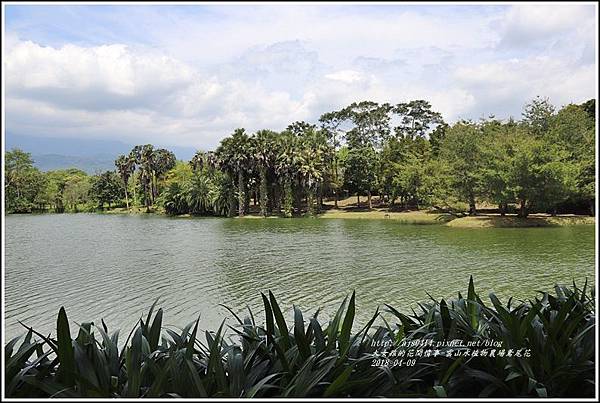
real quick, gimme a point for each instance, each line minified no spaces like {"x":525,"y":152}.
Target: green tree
{"x":106,"y":187}
{"x":498,"y":152}
{"x":416,"y":118}
{"x":540,"y":173}
{"x":462,"y":152}
{"x":23,"y":183}
{"x":234,"y":157}
{"x":126,"y":167}
{"x":264,"y":162}
{"x":331,"y":124}
{"x":286,"y":164}
{"x":162,"y":161}
{"x":537,"y":115}
{"x":573,"y":130}
{"x":361,"y":171}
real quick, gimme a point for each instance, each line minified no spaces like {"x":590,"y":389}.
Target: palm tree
{"x":200,"y":194}
{"x":233,"y":158}
{"x":312,"y":164}
{"x":135,"y":156}
{"x":162,"y":161}
{"x":263,"y":159}
{"x":286,"y":167}
{"x":146,"y":163}
{"x":125,"y":166}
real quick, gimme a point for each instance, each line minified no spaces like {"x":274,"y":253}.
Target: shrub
{"x":309,"y":359}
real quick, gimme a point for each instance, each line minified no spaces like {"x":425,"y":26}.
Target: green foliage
{"x":360,"y":169}
{"x":195,"y":189}
{"x":543,"y":163}
{"x":24,"y":184}
{"x":416,"y":119}
{"x":67,"y":189}
{"x":537,"y":115}
{"x":462,"y":152}
{"x":309,"y":357}
{"x":106,"y":188}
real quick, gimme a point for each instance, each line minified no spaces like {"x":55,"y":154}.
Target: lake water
{"x":114,"y":266}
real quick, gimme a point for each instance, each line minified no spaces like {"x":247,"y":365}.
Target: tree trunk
{"x":264,"y":189}
{"x":320,"y":198}
{"x":502,"y":209}
{"x":523,"y":209}
{"x":287,"y":198}
{"x":357,"y":199}
{"x":153,"y":187}
{"x":298,"y":197}
{"x":335,"y":177}
{"x":231,"y":199}
{"x":472,"y":207}
{"x":369,"y":199}
{"x":134,"y":193}
{"x":241,"y":194}
{"x":126,"y":198}
{"x":276,"y":201}
{"x":310,"y":202}
{"x":592,"y":207}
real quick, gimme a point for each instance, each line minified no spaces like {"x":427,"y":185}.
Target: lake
{"x":114,"y":266}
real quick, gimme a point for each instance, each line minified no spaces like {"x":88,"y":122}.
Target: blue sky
{"x":188,"y":75}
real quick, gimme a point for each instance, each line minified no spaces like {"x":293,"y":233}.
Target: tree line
{"x":405,"y":154}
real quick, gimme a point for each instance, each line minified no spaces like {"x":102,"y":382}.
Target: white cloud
{"x":507,"y":85}
{"x":346,"y":76}
{"x":102,"y":77}
{"x":266,"y":67}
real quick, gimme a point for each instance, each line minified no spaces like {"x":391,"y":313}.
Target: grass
{"x":534,"y":220}
{"x":408,"y":217}
{"x":348,"y":209}
{"x":305,"y":356}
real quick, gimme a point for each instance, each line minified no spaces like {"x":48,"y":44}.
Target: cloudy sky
{"x":188,"y":75}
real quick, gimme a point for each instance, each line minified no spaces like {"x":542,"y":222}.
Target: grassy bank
{"x":421,"y":217}
{"x":409,"y":217}
{"x":542,"y":348}
{"x":534,"y":220}
{"x":348,"y":209}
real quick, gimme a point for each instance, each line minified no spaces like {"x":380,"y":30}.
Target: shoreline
{"x":420,"y":217}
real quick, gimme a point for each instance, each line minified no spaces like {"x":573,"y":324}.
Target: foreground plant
{"x":309,"y":359}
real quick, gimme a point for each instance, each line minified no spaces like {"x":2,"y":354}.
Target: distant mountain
{"x":91,"y":165}
{"x":89,"y":155}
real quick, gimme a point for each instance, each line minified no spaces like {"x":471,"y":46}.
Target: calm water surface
{"x":113,"y":266}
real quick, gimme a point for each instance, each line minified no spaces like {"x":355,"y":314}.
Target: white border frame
{"x":9,"y":3}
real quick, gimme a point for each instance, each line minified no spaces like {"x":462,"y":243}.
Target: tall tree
{"x":462,"y":151}
{"x":371,"y":124}
{"x":106,"y":188}
{"x":361,"y":171}
{"x":162,"y":161}
{"x":125,"y":166}
{"x":416,"y":118}
{"x":234,"y":157}
{"x":286,"y":164}
{"x":332,"y":123}
{"x":22,"y":181}
{"x":264,"y":159}
{"x":537,"y":115}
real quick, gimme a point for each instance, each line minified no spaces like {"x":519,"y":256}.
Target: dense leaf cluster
{"x":309,"y":357}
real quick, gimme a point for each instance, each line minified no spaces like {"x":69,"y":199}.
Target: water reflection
{"x":113,"y":267}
